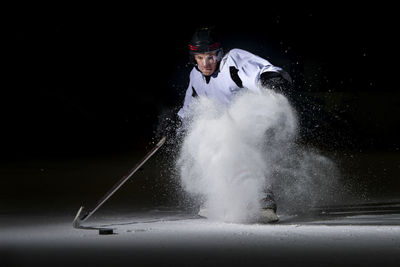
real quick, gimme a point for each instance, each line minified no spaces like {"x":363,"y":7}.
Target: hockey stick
{"x":78,"y":219}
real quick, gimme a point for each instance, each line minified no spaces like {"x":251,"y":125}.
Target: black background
{"x":100,"y":81}
{"x":88,"y":80}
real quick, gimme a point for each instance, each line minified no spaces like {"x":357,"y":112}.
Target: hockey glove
{"x":274,"y":81}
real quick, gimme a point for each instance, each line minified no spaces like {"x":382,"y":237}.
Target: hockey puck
{"x":106,"y":231}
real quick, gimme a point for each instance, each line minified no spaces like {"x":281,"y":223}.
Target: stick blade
{"x":77,"y":221}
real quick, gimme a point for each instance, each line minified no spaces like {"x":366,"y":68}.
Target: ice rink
{"x":165,"y":237}
{"x":36,"y":222}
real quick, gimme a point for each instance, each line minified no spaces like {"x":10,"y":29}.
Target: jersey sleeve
{"x":189,"y":96}
{"x":250,"y":67}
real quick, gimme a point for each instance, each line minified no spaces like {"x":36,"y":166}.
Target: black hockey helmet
{"x":205,"y":40}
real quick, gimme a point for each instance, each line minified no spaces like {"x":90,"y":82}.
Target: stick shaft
{"x":124,"y":179}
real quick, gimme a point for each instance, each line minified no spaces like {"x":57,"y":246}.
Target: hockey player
{"x":220,"y":77}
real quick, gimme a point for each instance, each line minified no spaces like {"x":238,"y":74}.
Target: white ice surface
{"x":199,"y":242}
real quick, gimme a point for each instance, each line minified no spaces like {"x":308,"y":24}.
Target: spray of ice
{"x":231,"y":155}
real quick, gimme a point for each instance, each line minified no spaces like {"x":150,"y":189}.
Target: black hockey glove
{"x":275,"y":81}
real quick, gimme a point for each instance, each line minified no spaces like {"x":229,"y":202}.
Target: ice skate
{"x":268,"y":216}
{"x":268,"y":210}
{"x":202,"y":212}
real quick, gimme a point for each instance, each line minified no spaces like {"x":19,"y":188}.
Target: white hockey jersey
{"x":238,"y":70}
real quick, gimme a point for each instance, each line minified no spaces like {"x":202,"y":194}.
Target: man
{"x":220,"y":77}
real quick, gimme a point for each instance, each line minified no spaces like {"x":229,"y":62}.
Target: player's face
{"x":206,"y":62}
